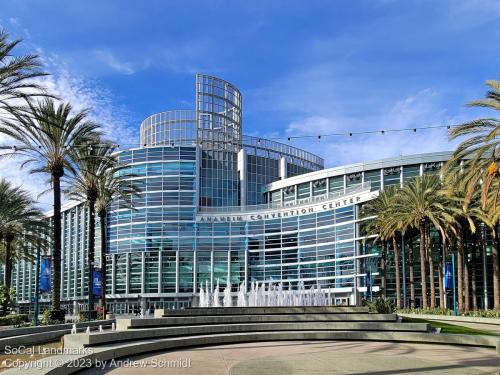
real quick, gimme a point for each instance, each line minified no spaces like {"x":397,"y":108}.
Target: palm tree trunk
{"x":432,"y":286}
{"x":473,"y":273}
{"x":102,"y":221}
{"x":90,"y":254}
{"x":466,"y":273}
{"x":8,"y":274}
{"x":431,"y":282}
{"x":397,"y":271}
{"x":496,"y":276}
{"x":383,"y":268}
{"x":422,"y":264}
{"x":412,"y":274}
{"x":56,"y":255}
{"x":466,"y":284}
{"x":460,"y":262}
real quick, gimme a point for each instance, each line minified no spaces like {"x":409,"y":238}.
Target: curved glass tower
{"x":191,"y":162}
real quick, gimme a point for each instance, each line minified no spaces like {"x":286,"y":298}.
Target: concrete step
{"x":127,"y":349}
{"x":122,"y":324}
{"x":84,"y":339}
{"x":46,"y":334}
{"x":202,"y":311}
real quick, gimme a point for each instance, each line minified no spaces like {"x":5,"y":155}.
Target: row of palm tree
{"x":66,"y":146}
{"x":455,"y":203}
{"x":22,"y":229}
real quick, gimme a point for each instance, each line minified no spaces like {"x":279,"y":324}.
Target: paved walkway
{"x":316,"y":357}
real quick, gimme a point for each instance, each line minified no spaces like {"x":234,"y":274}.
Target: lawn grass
{"x":450,"y":328}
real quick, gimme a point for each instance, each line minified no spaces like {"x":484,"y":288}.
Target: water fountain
{"x":216,"y":297}
{"x":272,"y":294}
{"x":228,"y":299}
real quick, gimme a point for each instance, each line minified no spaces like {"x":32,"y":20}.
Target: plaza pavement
{"x":320,"y":357}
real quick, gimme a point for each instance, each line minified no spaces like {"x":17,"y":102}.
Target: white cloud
{"x":81,"y":93}
{"x":14,"y":21}
{"x":415,"y":111}
{"x":183,"y":57}
{"x":122,"y":67}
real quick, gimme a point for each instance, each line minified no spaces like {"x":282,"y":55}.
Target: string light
{"x":289,"y":138}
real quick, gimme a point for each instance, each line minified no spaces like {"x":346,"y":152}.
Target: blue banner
{"x":448,"y":272}
{"x":96,"y":283}
{"x":45,"y":270}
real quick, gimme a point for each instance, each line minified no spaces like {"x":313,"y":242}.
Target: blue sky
{"x":304,"y":67}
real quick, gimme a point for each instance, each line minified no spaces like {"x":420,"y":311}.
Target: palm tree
{"x":383,"y":223}
{"x":418,"y":204}
{"x":114,"y":185}
{"x":477,"y":159}
{"x":44,"y":139}
{"x":92,"y":161}
{"x":22,"y":227}
{"x":490,"y":215}
{"x":17,"y":74}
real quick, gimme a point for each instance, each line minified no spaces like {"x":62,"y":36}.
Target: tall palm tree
{"x":22,"y":227}
{"x":44,"y":138}
{"x":477,"y":159}
{"x":99,"y":179}
{"x":490,"y":215}
{"x":465,"y":209}
{"x":17,"y":77}
{"x":114,"y":185}
{"x":419,"y":203}
{"x":383,"y":223}
{"x":92,"y":161}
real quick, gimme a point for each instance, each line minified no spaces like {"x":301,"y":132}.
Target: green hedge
{"x":381,"y":305}
{"x":13,"y":320}
{"x":448,"y":312}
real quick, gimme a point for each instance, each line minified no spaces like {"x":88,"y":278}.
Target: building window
{"x":336,"y":184}
{"x":304,"y":190}
{"x":373,"y":177}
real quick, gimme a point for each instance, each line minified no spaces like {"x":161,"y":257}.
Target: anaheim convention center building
{"x":218,"y":206}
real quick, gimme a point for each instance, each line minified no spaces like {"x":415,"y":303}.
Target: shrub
{"x":13,"y":320}
{"x":50,"y":316}
{"x":419,"y":310}
{"x":381,"y":305}
{"x":84,"y":315}
{"x":12,"y":298}
{"x":448,"y":312}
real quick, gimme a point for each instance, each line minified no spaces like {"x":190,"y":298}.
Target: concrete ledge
{"x":124,"y":324}
{"x":459,"y":318}
{"x":36,"y":335}
{"x":85,"y":340}
{"x":38,"y":329}
{"x":202,"y":311}
{"x":137,"y":348}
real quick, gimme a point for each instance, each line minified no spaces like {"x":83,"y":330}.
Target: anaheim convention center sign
{"x":314,"y":207}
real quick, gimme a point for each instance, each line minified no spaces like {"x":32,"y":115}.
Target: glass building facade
{"x":220,"y":207}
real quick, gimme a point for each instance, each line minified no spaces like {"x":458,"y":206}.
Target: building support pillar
{"x":242,"y":171}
